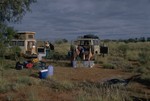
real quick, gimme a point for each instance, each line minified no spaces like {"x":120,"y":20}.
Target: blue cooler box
{"x":43,"y":74}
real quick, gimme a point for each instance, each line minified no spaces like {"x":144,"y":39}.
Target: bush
{"x":132,"y":55}
{"x":7,"y":87}
{"x":62,"y":86}
{"x":123,"y":50}
{"x":141,"y":70}
{"x":58,"y":56}
{"x":145,"y":78}
{"x":109,"y":66}
{"x":144,"y":57}
{"x":118,"y":63}
{"x":13,"y":53}
{"x":61,"y":41}
{"x":96,"y":92}
{"x":32,"y":95}
{"x":25,"y":80}
{"x":4,"y":88}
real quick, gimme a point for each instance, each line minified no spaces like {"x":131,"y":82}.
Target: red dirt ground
{"x":95,"y":74}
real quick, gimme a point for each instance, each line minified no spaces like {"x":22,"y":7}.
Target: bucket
{"x":86,"y":63}
{"x":74,"y":64}
{"x":91,"y":64}
{"x":43,"y":74}
{"x":50,"y":70}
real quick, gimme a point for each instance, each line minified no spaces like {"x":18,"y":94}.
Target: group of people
{"x":82,"y":53}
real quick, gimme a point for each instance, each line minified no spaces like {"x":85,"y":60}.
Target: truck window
{"x":95,"y":42}
{"x":20,"y":43}
{"x":82,"y":42}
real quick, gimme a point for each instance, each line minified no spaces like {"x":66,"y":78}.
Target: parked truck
{"x":86,"y":48}
{"x":26,"y":42}
{"x":30,"y":47}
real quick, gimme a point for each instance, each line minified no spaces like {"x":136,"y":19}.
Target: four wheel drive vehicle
{"x":87,"y":47}
{"x":30,"y":47}
{"x":26,"y":42}
{"x":90,"y":43}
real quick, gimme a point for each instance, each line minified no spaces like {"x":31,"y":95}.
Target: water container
{"x":43,"y":74}
{"x":74,"y":64}
{"x":91,"y":64}
{"x":50,"y":70}
{"x":86,"y":63}
{"x":39,"y":57}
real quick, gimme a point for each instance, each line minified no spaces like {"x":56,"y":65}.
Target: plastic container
{"x":91,"y":64}
{"x":74,"y":64}
{"x":43,"y":74}
{"x":50,"y":70}
{"x":86,"y":63}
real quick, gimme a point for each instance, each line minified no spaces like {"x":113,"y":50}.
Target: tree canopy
{"x":13,"y":10}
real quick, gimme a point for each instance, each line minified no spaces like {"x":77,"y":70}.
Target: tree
{"x":142,"y":39}
{"x":11,"y":11}
{"x":14,"y":10}
{"x":148,"y":39}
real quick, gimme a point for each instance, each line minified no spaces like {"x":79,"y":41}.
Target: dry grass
{"x":62,"y":48}
{"x":80,"y":84}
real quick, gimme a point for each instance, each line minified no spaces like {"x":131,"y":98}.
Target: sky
{"x":108,"y":19}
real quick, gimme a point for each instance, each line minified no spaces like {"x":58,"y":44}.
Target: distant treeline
{"x":141,"y":39}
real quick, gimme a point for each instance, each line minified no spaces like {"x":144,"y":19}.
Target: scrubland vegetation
{"x":131,"y":58}
{"x":69,"y":84}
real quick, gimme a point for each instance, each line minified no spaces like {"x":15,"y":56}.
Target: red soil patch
{"x":94,"y":74}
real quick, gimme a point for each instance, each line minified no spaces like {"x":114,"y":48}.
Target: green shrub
{"x":58,"y":56}
{"x":145,"y":78}
{"x":62,"y":86}
{"x":4,"y":89}
{"x":123,"y":50}
{"x":118,"y":63}
{"x":25,"y":80}
{"x":141,"y":70}
{"x":13,"y":53}
{"x":144,"y":57}
{"x":132,"y":55}
{"x":6,"y":86}
{"x":96,"y":92}
{"x":9,"y":98}
{"x":109,"y":66}
{"x":32,"y":96}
